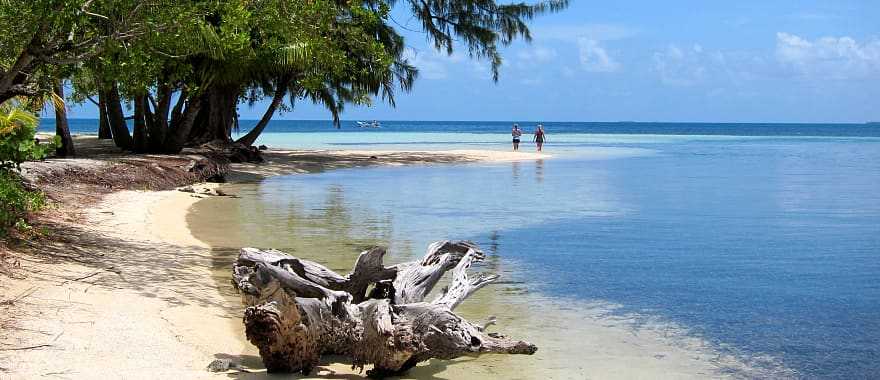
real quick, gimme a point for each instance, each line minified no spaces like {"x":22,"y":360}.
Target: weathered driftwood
{"x":299,"y":310}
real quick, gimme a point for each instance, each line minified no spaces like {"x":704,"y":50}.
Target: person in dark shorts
{"x":516,"y":133}
{"x":540,"y":137}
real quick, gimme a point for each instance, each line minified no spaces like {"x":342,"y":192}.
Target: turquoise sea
{"x":761,"y":239}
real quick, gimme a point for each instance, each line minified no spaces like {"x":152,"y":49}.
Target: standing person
{"x":540,"y":137}
{"x":516,"y":133}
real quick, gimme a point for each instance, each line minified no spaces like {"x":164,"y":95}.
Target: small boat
{"x":370,"y":124}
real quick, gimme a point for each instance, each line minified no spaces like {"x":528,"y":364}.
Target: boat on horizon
{"x":369,"y":124}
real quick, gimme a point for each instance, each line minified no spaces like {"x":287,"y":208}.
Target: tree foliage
{"x":182,"y":67}
{"x":17,"y":143}
{"x":39,"y":35}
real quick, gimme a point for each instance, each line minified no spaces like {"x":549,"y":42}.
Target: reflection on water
{"x":514,"y":166}
{"x":332,"y":216}
{"x":715,"y":252}
{"x":539,"y":170}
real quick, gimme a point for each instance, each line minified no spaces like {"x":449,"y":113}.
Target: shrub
{"x":17,"y":144}
{"x":16,"y":202}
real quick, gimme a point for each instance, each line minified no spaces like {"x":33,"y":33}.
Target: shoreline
{"x":148,"y":305}
{"x":287,"y":161}
{"x":124,"y":288}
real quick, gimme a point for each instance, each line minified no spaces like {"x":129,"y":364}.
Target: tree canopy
{"x":182,"y":67}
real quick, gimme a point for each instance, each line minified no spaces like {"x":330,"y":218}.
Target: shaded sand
{"x":138,"y":296}
{"x":135,"y":305}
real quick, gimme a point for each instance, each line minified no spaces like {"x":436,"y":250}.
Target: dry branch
{"x":299,"y":310}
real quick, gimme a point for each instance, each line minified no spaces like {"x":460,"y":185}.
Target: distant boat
{"x":369,"y":124}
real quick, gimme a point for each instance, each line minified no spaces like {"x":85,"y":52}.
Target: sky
{"x":669,"y":61}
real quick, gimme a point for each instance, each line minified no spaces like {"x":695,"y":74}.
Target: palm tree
{"x":17,"y":128}
{"x":333,"y":92}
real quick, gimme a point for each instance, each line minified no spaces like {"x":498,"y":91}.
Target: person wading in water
{"x":516,"y":133}
{"x":540,"y":137}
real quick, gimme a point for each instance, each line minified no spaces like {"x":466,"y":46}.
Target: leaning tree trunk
{"x":62,"y":129}
{"x":299,"y":310}
{"x":104,"y":131}
{"x":116,"y":117}
{"x":182,"y":121}
{"x":251,"y":136}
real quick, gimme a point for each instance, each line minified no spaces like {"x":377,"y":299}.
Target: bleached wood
{"x":299,"y":310}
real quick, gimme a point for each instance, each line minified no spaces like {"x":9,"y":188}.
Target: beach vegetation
{"x":16,"y":203}
{"x":17,"y":145}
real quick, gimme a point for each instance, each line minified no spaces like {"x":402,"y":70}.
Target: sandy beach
{"x":133,"y":295}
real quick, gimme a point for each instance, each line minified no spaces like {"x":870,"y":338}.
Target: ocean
{"x":762,"y":241}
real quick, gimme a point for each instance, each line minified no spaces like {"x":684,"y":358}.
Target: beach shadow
{"x":172,"y":273}
{"x":252,"y":368}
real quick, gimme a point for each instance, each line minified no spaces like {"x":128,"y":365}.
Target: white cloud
{"x":537,"y":54}
{"x":434,"y":65}
{"x":829,"y":57}
{"x":429,"y":68}
{"x":589,"y":39}
{"x":595,"y":58}
{"x":683,"y":66}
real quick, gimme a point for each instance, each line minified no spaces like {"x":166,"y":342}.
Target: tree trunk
{"x":299,"y":310}
{"x":62,"y":129}
{"x":254,"y":133}
{"x":183,"y":117}
{"x":13,"y":82}
{"x":219,"y":109}
{"x":116,"y":117}
{"x":140,"y":127}
{"x":104,"y":131}
{"x":158,"y":126}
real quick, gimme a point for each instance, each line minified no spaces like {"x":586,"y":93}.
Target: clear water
{"x":761,"y":239}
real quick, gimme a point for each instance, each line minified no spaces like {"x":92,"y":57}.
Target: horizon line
{"x":538,"y":122}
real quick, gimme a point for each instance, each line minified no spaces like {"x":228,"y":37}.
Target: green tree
{"x":328,"y":52}
{"x":35,"y":34}
{"x":479,"y":26}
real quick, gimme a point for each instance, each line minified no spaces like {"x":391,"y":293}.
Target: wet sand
{"x":156,"y":302}
{"x":281,"y":162}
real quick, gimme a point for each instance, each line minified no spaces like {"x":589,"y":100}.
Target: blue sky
{"x":710,"y":61}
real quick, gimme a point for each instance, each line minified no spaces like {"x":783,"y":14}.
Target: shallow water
{"x":757,"y":255}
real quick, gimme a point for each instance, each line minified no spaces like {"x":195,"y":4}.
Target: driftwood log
{"x":299,"y":310}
